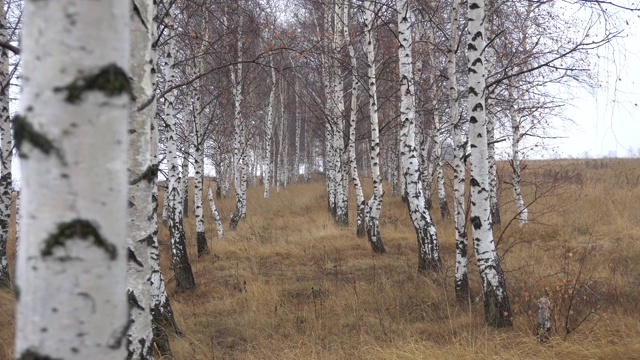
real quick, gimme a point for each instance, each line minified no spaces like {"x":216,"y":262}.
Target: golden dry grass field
{"x":289,"y":284}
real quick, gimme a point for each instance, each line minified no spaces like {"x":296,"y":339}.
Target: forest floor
{"x":290,"y":284}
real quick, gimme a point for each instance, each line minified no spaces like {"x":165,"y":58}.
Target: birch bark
{"x":428,"y":249}
{"x":461,"y":278}
{"x":71,"y":274}
{"x":142,"y":178}
{"x":6,"y":153}
{"x":374,"y":206}
{"x":521,"y":207}
{"x":200,"y":141}
{"x":180,"y":259}
{"x":240,"y":151}
{"x":496,"y":299}
{"x":357,"y":185}
{"x":162,"y":321}
{"x":216,"y":215}
{"x":269,"y":130}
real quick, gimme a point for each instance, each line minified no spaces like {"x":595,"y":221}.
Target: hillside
{"x":289,"y":284}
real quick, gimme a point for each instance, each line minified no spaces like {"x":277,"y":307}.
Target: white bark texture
{"x":6,"y":153}
{"x":357,"y":185}
{"x":374,"y":206}
{"x":240,"y":151}
{"x":296,"y":164}
{"x":491,"y":147}
{"x":521,"y":207}
{"x":461,"y":277}
{"x":72,"y":136}
{"x":496,"y":300}
{"x":200,"y":141}
{"x":269,"y":131}
{"x":180,"y":259}
{"x":281,"y":160}
{"x":216,"y":215}
{"x":162,"y":319}
{"x":428,"y":249}
{"x":142,"y":180}
{"x":341,"y":173}
{"x":186,"y":153}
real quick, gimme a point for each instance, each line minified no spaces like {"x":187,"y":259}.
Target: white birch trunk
{"x":374,"y":206}
{"x":269,"y":131}
{"x":360,"y":202}
{"x":521,"y":207}
{"x":496,"y":299}
{"x":493,"y":174}
{"x":200,"y":141}
{"x":17,"y":220}
{"x":162,"y":320}
{"x":281,"y":143}
{"x":240,"y":151}
{"x":296,"y":164}
{"x":428,"y":166}
{"x":166,"y":205}
{"x":491,"y":148}
{"x":6,"y":153}
{"x":142,"y":176}
{"x":180,"y":259}
{"x":461,"y":277}
{"x":341,"y":169}
{"x":428,"y":249}
{"x":186,"y":152}
{"x":72,"y":136}
{"x":439,"y":172}
{"x":216,"y":215}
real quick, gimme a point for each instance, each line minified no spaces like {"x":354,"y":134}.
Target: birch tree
{"x":179,"y":257}
{"x":6,"y":153}
{"x":240,"y":152}
{"x":461,"y":278}
{"x":496,"y":299}
{"x":357,"y":185}
{"x":516,"y":136}
{"x":374,"y":206}
{"x":216,"y":216}
{"x":200,"y":140}
{"x":269,"y":132}
{"x":71,"y":274}
{"x":428,"y":249}
{"x":142,"y":177}
{"x":162,"y":320}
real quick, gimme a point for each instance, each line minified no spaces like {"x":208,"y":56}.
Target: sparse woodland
{"x":308,"y":179}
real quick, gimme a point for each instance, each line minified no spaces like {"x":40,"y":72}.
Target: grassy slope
{"x":291,"y":285}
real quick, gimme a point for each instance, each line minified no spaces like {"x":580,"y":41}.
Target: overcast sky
{"x":608,"y":121}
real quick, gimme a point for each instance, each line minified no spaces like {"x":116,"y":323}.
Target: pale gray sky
{"x":608,"y":121}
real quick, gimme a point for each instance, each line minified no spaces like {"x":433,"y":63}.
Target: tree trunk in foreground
{"x":461,"y":278}
{"x":496,"y":300}
{"x":180,"y":259}
{"x":142,"y":179}
{"x":428,"y":249}
{"x":374,"y":205}
{"x":162,"y":320}
{"x":71,"y":274}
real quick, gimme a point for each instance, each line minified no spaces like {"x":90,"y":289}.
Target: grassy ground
{"x":289,"y":284}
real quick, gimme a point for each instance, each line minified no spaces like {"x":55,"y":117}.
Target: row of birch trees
{"x":258,"y":93}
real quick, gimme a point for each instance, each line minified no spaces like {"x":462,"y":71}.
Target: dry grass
{"x":289,"y":284}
